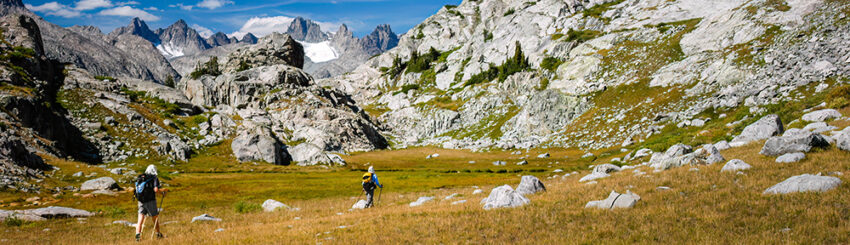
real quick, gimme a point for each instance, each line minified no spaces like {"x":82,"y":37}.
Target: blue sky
{"x":237,"y":17}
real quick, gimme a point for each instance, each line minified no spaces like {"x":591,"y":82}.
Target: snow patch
{"x":170,"y":51}
{"x":319,"y":52}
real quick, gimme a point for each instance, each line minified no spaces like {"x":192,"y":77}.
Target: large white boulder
{"x":804,"y":183}
{"x":58,"y":212}
{"x":360,"y":204}
{"x":272,"y":205}
{"x":791,"y":157}
{"x":259,"y":144}
{"x":504,"y":197}
{"x":102,"y":183}
{"x":821,"y":115}
{"x":205,"y":217}
{"x":766,"y":127}
{"x":530,"y":185}
{"x":615,"y":200}
{"x":803,"y":142}
{"x":735,"y":165}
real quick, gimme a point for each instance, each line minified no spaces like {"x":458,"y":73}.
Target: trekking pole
{"x":379,"y":195}
{"x":156,"y":223}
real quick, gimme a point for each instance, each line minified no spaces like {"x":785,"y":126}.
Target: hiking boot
{"x":138,"y":237}
{"x":159,"y":235}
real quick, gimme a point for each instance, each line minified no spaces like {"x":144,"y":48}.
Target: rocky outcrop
{"x":821,"y":115}
{"x":259,"y":144}
{"x":804,"y":183}
{"x":172,"y":147}
{"x":274,"y":49}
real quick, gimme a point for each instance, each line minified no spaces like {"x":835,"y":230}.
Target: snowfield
{"x":319,"y":52}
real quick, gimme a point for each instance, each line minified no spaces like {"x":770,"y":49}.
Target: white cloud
{"x":92,"y":4}
{"x":152,"y":8}
{"x":213,"y":4}
{"x":261,"y":26}
{"x":56,"y":9}
{"x":129,"y":12}
{"x":127,"y":3}
{"x":181,"y":6}
{"x":203,"y":31}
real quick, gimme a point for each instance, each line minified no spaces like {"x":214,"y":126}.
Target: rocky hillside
{"x":87,"y":47}
{"x":598,"y":74}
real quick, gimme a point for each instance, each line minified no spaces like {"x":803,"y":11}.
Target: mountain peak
{"x":249,"y":38}
{"x":137,"y":27}
{"x":12,"y":3}
{"x":306,"y":30}
{"x":218,"y":39}
{"x":381,"y":39}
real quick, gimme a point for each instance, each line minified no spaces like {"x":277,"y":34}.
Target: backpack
{"x":144,"y":188}
{"x":367,"y":181}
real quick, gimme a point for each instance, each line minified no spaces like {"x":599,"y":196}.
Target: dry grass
{"x":703,"y":206}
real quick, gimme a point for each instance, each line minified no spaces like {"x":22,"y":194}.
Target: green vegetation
{"x":419,"y":63}
{"x":209,"y":68}
{"x":243,"y":207}
{"x":544,"y":83}
{"x":598,"y":10}
{"x":488,"y":35}
{"x":406,"y":88}
{"x":512,"y":65}
{"x":169,"y":81}
{"x":551,"y":63}
{"x":243,"y":66}
{"x":557,"y":36}
{"x":112,"y":212}
{"x":839,"y":96}
{"x":582,"y":35}
{"x":167,"y":109}
{"x":13,"y":221}
{"x":105,"y":78}
{"x":510,"y":12}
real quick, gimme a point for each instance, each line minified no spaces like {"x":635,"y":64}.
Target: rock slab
{"x":804,"y":183}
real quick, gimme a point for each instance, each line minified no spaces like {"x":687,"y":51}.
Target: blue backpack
{"x":144,"y":188}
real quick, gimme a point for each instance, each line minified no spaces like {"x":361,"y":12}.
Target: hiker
{"x":370,"y":182}
{"x":147,"y":185}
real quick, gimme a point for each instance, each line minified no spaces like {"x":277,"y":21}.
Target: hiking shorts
{"x":148,"y":208}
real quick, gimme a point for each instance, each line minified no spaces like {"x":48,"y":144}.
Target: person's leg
{"x":369,"y":194}
{"x":140,"y":223}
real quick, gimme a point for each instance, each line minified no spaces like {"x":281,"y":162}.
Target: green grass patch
{"x":599,"y":9}
{"x":243,"y":207}
{"x":551,"y":63}
{"x":581,"y":36}
{"x":512,"y":65}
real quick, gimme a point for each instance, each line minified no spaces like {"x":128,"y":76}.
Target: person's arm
{"x":157,"y":187}
{"x":375,"y":177}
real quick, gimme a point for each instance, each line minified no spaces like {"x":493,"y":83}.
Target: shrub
{"x":512,"y":65}
{"x":243,"y":66}
{"x":169,"y":81}
{"x":246,"y":207}
{"x":13,"y":221}
{"x":488,"y":35}
{"x":420,"y":63}
{"x":581,"y":36}
{"x":551,"y":63}
{"x":209,"y":68}
{"x":510,"y":12}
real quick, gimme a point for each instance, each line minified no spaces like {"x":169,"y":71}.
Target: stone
{"x":735,"y":165}
{"x":804,"y":183}
{"x":642,"y":153}
{"x":124,"y":222}
{"x":172,"y":147}
{"x":722,"y":145}
{"x":821,"y":115}
{"x":205,"y":217}
{"x":259,"y":144}
{"x":764,"y":128}
{"x":530,"y":185}
{"x":544,"y":155}
{"x":593,"y":176}
{"x":504,"y":197}
{"x":710,"y":153}
{"x":103,"y":183}
{"x":272,"y":205}
{"x":522,"y":163}
{"x":791,"y":157}
{"x":477,"y":191}
{"x":499,"y":163}
{"x":458,"y":202}
{"x":420,"y":201}
{"x":615,"y":200}
{"x":606,"y":168}
{"x":802,"y":142}
{"x":5,"y":214}
{"x":360,"y":204}
{"x":78,"y":174}
{"x":449,"y":197}
{"x":58,"y":212}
